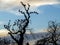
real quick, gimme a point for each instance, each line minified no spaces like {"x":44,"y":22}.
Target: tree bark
{"x":21,"y":39}
{"x":55,"y":43}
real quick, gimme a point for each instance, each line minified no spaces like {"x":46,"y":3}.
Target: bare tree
{"x":52,"y":36}
{"x":43,"y":41}
{"x":54,"y":32}
{"x":21,"y":24}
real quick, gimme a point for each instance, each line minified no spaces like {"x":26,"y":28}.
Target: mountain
{"x":28,"y":37}
{"x":4,"y":32}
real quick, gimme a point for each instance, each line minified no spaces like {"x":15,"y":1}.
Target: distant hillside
{"x":4,"y":32}
{"x":28,"y":37}
{"x":31,"y":38}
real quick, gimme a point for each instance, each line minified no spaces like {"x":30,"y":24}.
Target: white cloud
{"x":6,"y":4}
{"x":3,"y":32}
{"x":10,"y":5}
{"x":43,"y":2}
{"x":41,"y":31}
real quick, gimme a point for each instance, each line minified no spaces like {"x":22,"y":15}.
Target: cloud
{"x":41,"y":31}
{"x":6,"y":4}
{"x":42,"y":2}
{"x":11,"y":5}
{"x":3,"y":32}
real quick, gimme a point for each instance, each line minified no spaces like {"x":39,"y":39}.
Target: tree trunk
{"x":21,"y":39}
{"x":54,"y":43}
{"x":19,"y":44}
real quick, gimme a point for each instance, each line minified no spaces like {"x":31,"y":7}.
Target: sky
{"x":47,"y":9}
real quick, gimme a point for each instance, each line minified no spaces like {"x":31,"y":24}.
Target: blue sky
{"x":47,"y":11}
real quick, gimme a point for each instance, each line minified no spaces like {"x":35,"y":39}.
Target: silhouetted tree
{"x":27,"y":43}
{"x":54,"y":32}
{"x":21,"y":24}
{"x":52,"y":36}
{"x":43,"y":41}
